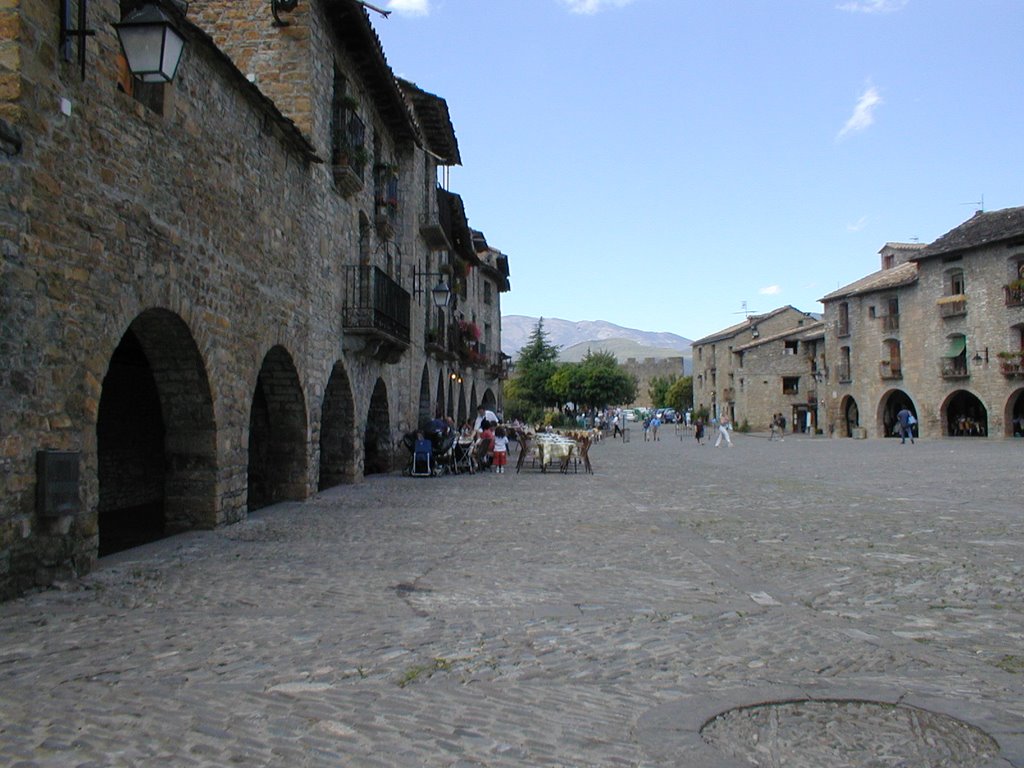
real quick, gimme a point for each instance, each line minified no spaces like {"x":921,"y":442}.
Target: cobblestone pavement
{"x":548,"y":620}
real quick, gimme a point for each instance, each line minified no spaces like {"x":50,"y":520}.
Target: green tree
{"x":530,"y":388}
{"x":680,"y":394}
{"x":658,"y":390}
{"x":602,"y":381}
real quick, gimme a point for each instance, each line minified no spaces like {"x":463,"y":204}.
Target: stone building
{"x":779,"y":374}
{"x":938,"y":330}
{"x":217,"y":291}
{"x":758,"y":367}
{"x":646,"y":369}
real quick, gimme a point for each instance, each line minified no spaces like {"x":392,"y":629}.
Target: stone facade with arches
{"x":205,"y":308}
{"x":939,"y":330}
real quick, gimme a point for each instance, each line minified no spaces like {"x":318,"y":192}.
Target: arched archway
{"x":156,"y":436}
{"x":964,"y":415}
{"x":850,"y":416}
{"x":1014,"y":414}
{"x":377,"y":452}
{"x":891,"y":403}
{"x":424,"y":412}
{"x":463,"y":413}
{"x":337,"y":432}
{"x":278,"y":461}
{"x":439,"y":405}
{"x":489,"y":401}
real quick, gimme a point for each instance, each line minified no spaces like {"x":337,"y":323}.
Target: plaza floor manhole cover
{"x":811,"y":734}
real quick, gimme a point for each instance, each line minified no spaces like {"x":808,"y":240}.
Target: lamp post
{"x":151,"y":44}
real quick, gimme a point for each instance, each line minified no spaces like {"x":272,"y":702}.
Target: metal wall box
{"x":57,"y":483}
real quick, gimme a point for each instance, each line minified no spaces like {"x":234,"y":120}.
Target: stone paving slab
{"x":541,"y":619}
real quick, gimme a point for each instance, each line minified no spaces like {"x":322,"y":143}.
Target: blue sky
{"x":656,"y":163}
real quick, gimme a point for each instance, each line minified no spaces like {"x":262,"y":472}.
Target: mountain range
{"x":574,"y":338}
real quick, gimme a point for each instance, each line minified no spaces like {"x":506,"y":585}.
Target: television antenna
{"x":979,"y":204}
{"x":744,"y":310}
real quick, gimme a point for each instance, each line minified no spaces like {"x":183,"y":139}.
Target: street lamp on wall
{"x":440,"y":294}
{"x":151,"y":44}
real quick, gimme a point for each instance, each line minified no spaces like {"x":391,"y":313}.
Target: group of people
{"x":485,"y":440}
{"x":777,"y":426}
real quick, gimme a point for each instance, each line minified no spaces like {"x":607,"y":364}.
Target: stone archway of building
{"x":964,"y":415}
{"x":891,"y":403}
{"x":377,"y":449}
{"x":424,"y":413}
{"x":156,"y":436}
{"x":488,"y":400}
{"x":463,"y":413}
{"x":439,"y":405}
{"x":1014,"y":414}
{"x":338,"y":432}
{"x":278,"y":448}
{"x":851,"y":416}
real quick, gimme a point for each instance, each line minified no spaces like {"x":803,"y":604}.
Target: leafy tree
{"x":658,"y":390}
{"x":680,"y":393}
{"x":602,"y":381}
{"x":536,"y":364}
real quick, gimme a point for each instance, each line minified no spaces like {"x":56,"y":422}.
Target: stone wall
{"x":647,"y":369}
{"x":212,"y":236}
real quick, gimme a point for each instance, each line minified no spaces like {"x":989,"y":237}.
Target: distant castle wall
{"x":650,"y":367}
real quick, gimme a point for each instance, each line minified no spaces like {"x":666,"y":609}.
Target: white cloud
{"x":770,"y":290}
{"x":873,"y":6}
{"x":863,"y":114}
{"x":410,"y":7}
{"x":858,"y":225}
{"x":593,"y":6}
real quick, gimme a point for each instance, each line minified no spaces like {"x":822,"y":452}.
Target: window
{"x":888,"y":261}
{"x":954,"y":282}
{"x":790,"y":385}
{"x":487,"y":292}
{"x":790,"y":347}
{"x":348,"y":132}
{"x":843,"y":321}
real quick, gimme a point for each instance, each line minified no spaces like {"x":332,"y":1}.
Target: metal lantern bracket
{"x":440,"y":294}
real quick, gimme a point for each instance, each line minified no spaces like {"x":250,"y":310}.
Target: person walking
{"x":698,"y":430}
{"x":906,"y":421}
{"x":723,"y":430}
{"x":772,"y":427}
{"x":616,"y":429}
{"x":655,"y":423}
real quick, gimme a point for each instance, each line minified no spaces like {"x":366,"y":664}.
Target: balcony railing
{"x":498,"y":365}
{"x":1014,"y":295}
{"x":348,"y":158}
{"x":953,"y":306}
{"x":890,"y":369}
{"x":890,"y":322}
{"x":374,"y":305}
{"x":953,"y":368}
{"x":1012,"y":367}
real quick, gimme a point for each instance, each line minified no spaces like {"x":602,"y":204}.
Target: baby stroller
{"x":422,"y":458}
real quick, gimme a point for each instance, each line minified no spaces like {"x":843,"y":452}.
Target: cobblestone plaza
{"x":558,"y":620}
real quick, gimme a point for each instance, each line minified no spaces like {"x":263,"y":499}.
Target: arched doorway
{"x":278,"y":463}
{"x":156,"y":436}
{"x":964,"y":415}
{"x":851,"y":416}
{"x":424,"y":413}
{"x":488,"y":400}
{"x":337,"y":432}
{"x":377,"y":452}
{"x":893,"y":402}
{"x":463,"y":414}
{"x":1014,"y":418}
{"x":439,"y":405}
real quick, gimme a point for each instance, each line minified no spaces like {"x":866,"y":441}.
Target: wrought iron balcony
{"x":1014,"y":295}
{"x":375,"y":313}
{"x":954,"y":368}
{"x":1012,"y":367}
{"x":890,"y":322}
{"x":890,"y":369}
{"x":953,"y":306}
